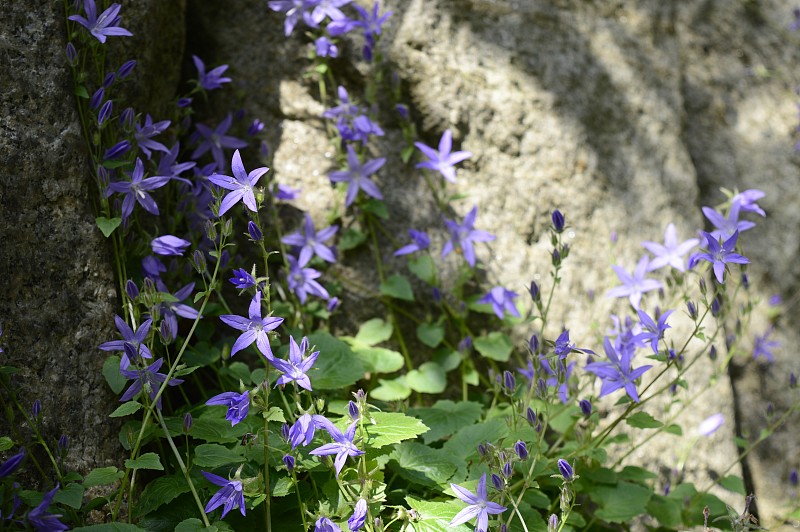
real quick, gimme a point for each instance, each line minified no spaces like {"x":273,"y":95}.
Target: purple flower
{"x":216,"y":139}
{"x":719,"y":254}
{"x":11,"y":465}
{"x":106,"y":25}
{"x":502,"y":300}
{"x":136,"y":189}
{"x":357,"y":176}
{"x":210,"y":80}
{"x":672,"y":252}
{"x":256,"y":127}
{"x":420,"y":239}
{"x":322,"y":9}
{"x":241,"y":185}
{"x":38,"y":517}
{"x":296,"y":367}
{"x":763,"y":346}
{"x":230,"y":495}
{"x":710,"y":425}
{"x":167,"y":165}
{"x":169,"y":245}
{"x":371,"y":22}
{"x":359,"y":516}
{"x":521,"y":449}
{"x":132,"y":344}
{"x":242,"y":280}
{"x":302,"y":281}
{"x":479,"y":507}
{"x":633,"y":286}
{"x":117,"y":150}
{"x":652,"y":331}
{"x":285,"y":193}
{"x":565,"y":469}
{"x":238,"y":405}
{"x":442,"y":161}
{"x":170,"y":309}
{"x":254,"y":327}
{"x":304,"y":428}
{"x":557,"y":377}
{"x":462,"y":236}
{"x":794,"y":26}
{"x":325,"y":48}
{"x":726,"y":227}
{"x":293,"y":9}
{"x":342,"y":446}
{"x":748,"y":199}
{"x":324,"y":524}
{"x":144,"y":135}
{"x":562,"y":346}
{"x":617,"y":373}
{"x":148,"y":379}
{"x":310,"y":242}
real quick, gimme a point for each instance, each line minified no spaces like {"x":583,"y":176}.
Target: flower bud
{"x":465,"y":344}
{"x":556,"y":257}
{"x":127,"y":117}
{"x":793,"y":480}
{"x":533,"y":343}
{"x":558,"y":220}
{"x":227,"y":227}
{"x":509,"y":382}
{"x":530,"y":416}
{"x":692,"y":310}
{"x":534,"y":291}
{"x":586,"y":407}
{"x":109,"y":79}
{"x":63,"y":444}
{"x":352,"y":410}
{"x":333,"y":304}
{"x":126,"y":69}
{"x":521,"y":449}
{"x":117,"y":150}
{"x":288,"y":461}
{"x":436,"y":294}
{"x":184,"y":102}
{"x":712,"y":353}
{"x":255,"y":128}
{"x":131,"y":289}
{"x":187,"y":422}
{"x":552,"y":523}
{"x":703,"y":287}
{"x":716,"y":306}
{"x":792,"y":380}
{"x":211,"y":230}
{"x":745,"y":281}
{"x":97,"y":98}
{"x":482,"y":449}
{"x":565,"y":469}
{"x":497,"y":482}
{"x":255,"y":232}
{"x":36,"y":410}
{"x":72,"y":54}
{"x":508,"y":471}
{"x":105,"y":112}
{"x":167,"y":332}
{"x":199,"y":261}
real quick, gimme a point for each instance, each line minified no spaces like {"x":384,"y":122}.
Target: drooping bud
{"x":333,"y":303}
{"x":703,"y":288}
{"x":692,"y":308}
{"x":586,"y":407}
{"x":521,"y":449}
{"x":105,"y":112}
{"x":97,"y":98}
{"x":556,"y":257}
{"x":72,"y":54}
{"x":109,"y":79}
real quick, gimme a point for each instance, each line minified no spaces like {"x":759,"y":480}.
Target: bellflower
{"x":285,"y":193}
{"x":147,"y":378}
{"x":304,"y":428}
{"x":132,"y":344}
{"x":297,"y":366}
{"x":502,"y":301}
{"x":11,"y":465}
{"x":325,"y":48}
{"x":558,"y":376}
{"x":763,"y":346}
{"x":357,"y":176}
{"x":322,"y":9}
{"x":359,"y":516}
{"x":105,"y":25}
{"x":462,"y":236}
{"x":710,"y":425}
{"x":726,"y":227}
{"x":216,"y":139}
{"x":229,"y":497}
{"x":420,"y":241}
{"x":294,"y":9}
{"x":617,"y":372}
{"x":747,"y":201}
{"x":169,"y":245}
{"x":254,"y":327}
{"x":370,"y":21}
{"x":310,"y":242}
{"x":652,"y":331}
{"x":565,"y":469}
{"x":241,"y":279}
{"x":43,"y":521}
{"x":167,"y":165}
{"x":342,"y":446}
{"x":442,"y":161}
{"x":144,"y":135}
{"x":672,"y":252}
{"x":136,"y":189}
{"x":302,"y":281}
{"x":171,"y":309}
{"x":719,"y":254}
{"x":562,"y":346}
{"x":479,"y":507}
{"x":212,"y":79}
{"x":238,"y":405}
{"x":344,"y":108}
{"x":240,"y":186}
{"x":633,"y":286}
{"x":324,"y":524}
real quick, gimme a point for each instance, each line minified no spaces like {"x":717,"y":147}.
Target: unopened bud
{"x":288,"y":461}
{"x":497,"y":482}
{"x":72,"y":54}
{"x":105,"y":112}
{"x":126,"y":68}
{"x":558,"y":220}
{"x":586,"y":407}
{"x":534,"y":291}
{"x":187,"y":423}
{"x":533,"y":343}
{"x":131,"y":289}
{"x":255,"y":232}
{"x":199,"y":261}
{"x":692,"y":308}
{"x":530,"y":416}
{"x":521,"y":449}
{"x":109,"y":79}
{"x":36,"y":410}
{"x":211,"y":230}
{"x":552,"y":523}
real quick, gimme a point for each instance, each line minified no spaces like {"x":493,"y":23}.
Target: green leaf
{"x":337,"y":365}
{"x":430,"y":334}
{"x":446,"y":417}
{"x":218,"y":430}
{"x":674,"y":429}
{"x":111,"y":164}
{"x":8,"y":370}
{"x":448,"y":358}
{"x":70,"y":495}
{"x":374,"y":332}
{"x":392,"y":427}
{"x":436,"y":516}
{"x":102,"y":476}
{"x":145,"y":461}
{"x":351,"y":239}
{"x":621,"y":502}
{"x":398,"y":287}
{"x":666,"y":510}
{"x":406,"y":153}
{"x":321,"y":68}
{"x":198,"y":296}
{"x":275,"y":414}
{"x":643,"y":420}
{"x":376,"y":207}
{"x":464,"y":443}
{"x":107,"y":225}
{"x":126,"y":409}
{"x":160,"y":491}
{"x":636,"y":474}
{"x":109,"y":527}
{"x":734,"y":484}
{"x":113,"y":377}
{"x":428,"y":378}
{"x":6,"y":443}
{"x":422,"y":465}
{"x":213,"y":455}
{"x":378,"y":359}
{"x":495,"y":345}
{"x":424,"y":268}
{"x":239,"y":371}
{"x":81,"y":92}
{"x":391,"y":390}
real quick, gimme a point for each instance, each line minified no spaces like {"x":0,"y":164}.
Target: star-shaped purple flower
{"x":296,"y":368}
{"x":136,"y":189}
{"x":342,"y":446}
{"x":106,"y":25}
{"x":132,"y":344}
{"x":420,"y":241}
{"x":44,"y":521}
{"x":763,"y":346}
{"x":238,"y":405}
{"x":442,"y":161}
{"x":170,"y":310}
{"x":617,"y":372}
{"x":216,"y":139}
{"x":502,"y":300}
{"x":229,"y":497}
{"x":652,"y":331}
{"x":357,"y":176}
{"x":359,"y":516}
{"x":748,"y":199}
{"x":304,"y":428}
{"x":148,"y":378}
{"x":294,"y":9}
{"x":633,"y":286}
{"x":144,"y":135}
{"x":672,"y":252}
{"x":719,"y":254}
{"x":310,"y":242}
{"x":168,"y":166}
{"x":462,"y":236}
{"x":725,"y":227}
{"x":480,"y":507}
{"x":254,"y":327}
{"x":169,"y":245}
{"x":212,"y":79}
{"x":241,"y":185}
{"x":242,"y":279}
{"x":302,"y":281}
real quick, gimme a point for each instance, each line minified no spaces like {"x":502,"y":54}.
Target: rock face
{"x":626,"y":116}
